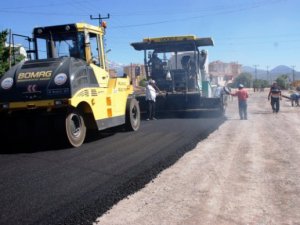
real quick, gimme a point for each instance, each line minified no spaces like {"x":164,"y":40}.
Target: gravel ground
{"x":246,"y":172}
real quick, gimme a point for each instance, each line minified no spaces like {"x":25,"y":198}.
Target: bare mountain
{"x":279,"y":70}
{"x":117,"y":66}
{"x":273,"y":73}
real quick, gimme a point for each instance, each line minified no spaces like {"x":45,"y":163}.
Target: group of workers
{"x":274,"y":97}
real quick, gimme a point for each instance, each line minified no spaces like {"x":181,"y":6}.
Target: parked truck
{"x":66,"y":87}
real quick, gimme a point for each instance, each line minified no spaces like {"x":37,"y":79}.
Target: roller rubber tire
{"x":133,"y":116}
{"x":75,"y":128}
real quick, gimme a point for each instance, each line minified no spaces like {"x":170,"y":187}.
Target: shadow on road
{"x":31,"y":143}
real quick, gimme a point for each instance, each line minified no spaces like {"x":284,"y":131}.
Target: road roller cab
{"x":68,"y":80}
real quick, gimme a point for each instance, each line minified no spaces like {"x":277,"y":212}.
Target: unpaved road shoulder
{"x":246,"y":172}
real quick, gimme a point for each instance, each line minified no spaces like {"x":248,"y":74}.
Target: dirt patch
{"x":246,"y":172}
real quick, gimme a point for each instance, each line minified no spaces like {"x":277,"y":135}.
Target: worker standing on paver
{"x":242,"y":95}
{"x":275,"y":96}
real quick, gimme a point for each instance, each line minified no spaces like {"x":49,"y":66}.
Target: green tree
{"x":4,"y":53}
{"x":143,"y":83}
{"x":258,"y":83}
{"x":243,"y":78}
{"x":283,"y":81}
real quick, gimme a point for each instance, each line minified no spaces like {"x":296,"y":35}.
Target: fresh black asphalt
{"x":52,"y":185}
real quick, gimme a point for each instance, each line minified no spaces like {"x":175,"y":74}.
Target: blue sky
{"x":250,"y":32}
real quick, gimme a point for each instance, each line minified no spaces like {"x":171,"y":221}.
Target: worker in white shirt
{"x":151,"y":98}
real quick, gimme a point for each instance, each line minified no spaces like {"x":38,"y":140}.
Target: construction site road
{"x":40,"y":183}
{"x":246,"y":172}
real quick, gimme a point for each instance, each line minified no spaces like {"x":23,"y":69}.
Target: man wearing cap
{"x":150,"y":99}
{"x":242,"y":95}
{"x":275,"y":95}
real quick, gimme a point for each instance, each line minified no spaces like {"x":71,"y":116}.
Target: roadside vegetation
{"x":248,"y":81}
{"x":6,"y":54}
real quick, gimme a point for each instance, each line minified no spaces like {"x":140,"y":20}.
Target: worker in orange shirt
{"x":242,"y":95}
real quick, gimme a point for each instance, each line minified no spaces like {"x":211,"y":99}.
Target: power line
{"x":222,"y":11}
{"x":42,"y":5}
{"x":196,"y":10}
{"x":43,"y":13}
{"x":240,"y":8}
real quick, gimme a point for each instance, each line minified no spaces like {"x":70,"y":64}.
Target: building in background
{"x":113,"y":72}
{"x":136,"y":72}
{"x":222,"y":73}
{"x":16,"y":51}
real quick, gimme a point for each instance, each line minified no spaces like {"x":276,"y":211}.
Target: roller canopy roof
{"x":173,"y":44}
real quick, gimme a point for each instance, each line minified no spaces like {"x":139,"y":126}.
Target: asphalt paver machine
{"x":179,"y":69}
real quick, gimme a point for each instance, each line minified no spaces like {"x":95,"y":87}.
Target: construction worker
{"x":242,"y":95}
{"x":151,"y":98}
{"x":73,"y":49}
{"x":156,"y":66}
{"x":275,"y":96}
{"x":295,"y":98}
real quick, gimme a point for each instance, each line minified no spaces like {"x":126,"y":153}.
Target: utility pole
{"x":268,"y":77}
{"x":255,"y":85}
{"x":99,"y":18}
{"x":255,"y":67}
{"x":293,"y":72}
{"x":9,"y":45}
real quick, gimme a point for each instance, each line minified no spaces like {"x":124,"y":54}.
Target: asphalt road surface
{"x":43,"y":184}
